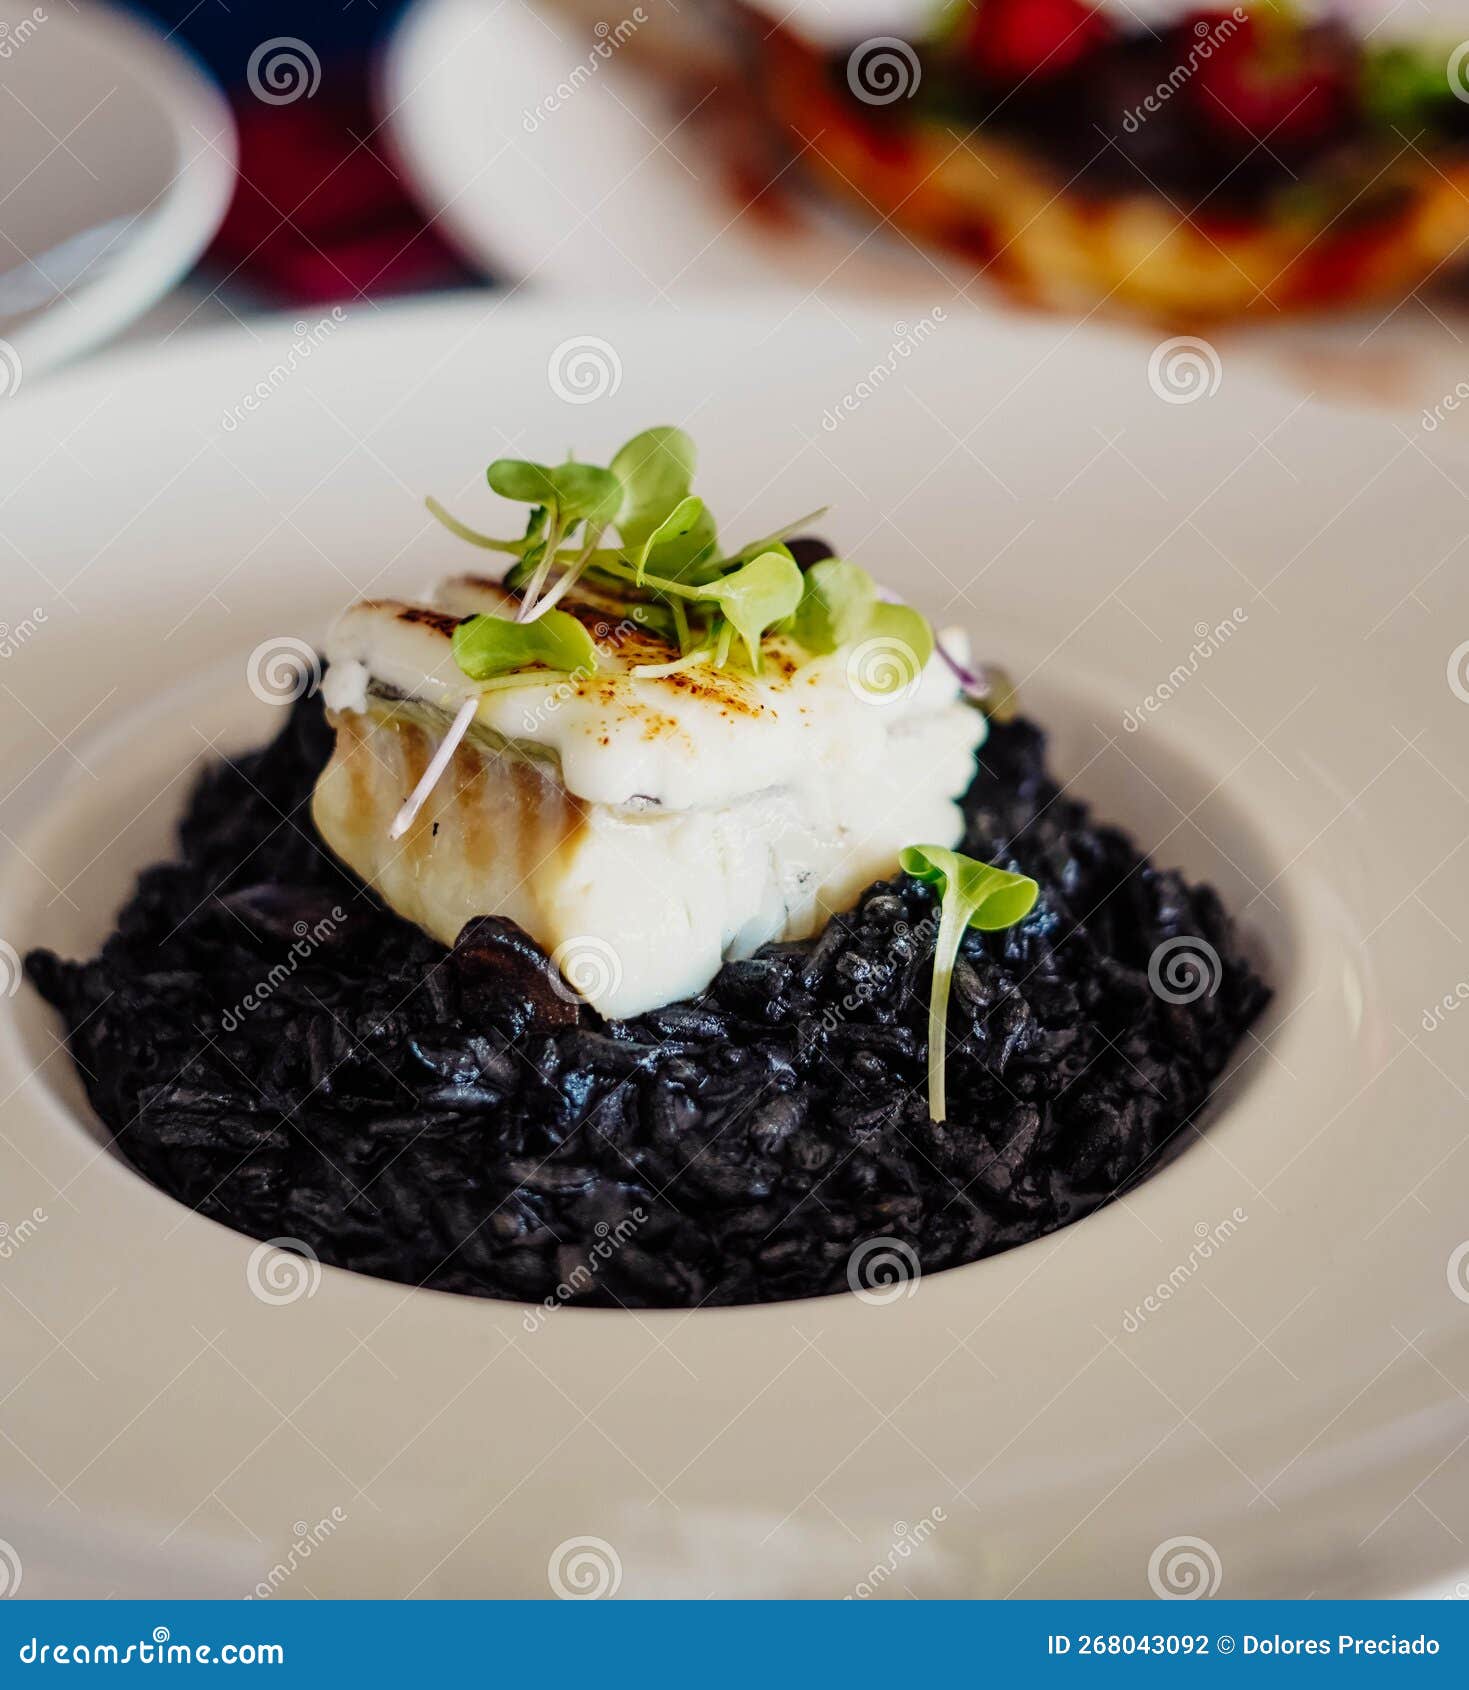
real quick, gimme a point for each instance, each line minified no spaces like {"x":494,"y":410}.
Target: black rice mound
{"x":271,"y":1046}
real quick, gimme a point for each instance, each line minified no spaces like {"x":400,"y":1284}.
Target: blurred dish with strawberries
{"x":1191,"y":164}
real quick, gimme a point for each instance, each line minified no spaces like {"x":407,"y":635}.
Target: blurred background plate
{"x":120,"y":156}
{"x":557,"y":146}
{"x":551,"y":153}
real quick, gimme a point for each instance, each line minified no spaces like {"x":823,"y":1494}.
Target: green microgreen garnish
{"x":1408,"y":87}
{"x":490,"y":646}
{"x":840,"y":606}
{"x":975,"y":895}
{"x":666,"y":569}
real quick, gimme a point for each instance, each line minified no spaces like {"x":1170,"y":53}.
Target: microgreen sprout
{"x":973,"y":894}
{"x":488,"y":647}
{"x":666,"y":564}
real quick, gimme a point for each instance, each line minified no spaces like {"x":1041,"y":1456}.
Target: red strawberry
{"x":1013,"y":40}
{"x":1271,"y":81}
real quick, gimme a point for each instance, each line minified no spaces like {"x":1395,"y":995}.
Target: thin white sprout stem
{"x":434,"y":772}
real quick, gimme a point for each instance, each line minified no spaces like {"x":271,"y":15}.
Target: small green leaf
{"x":973,"y":894}
{"x":656,"y":471}
{"x":682,"y":537}
{"x":759,"y":593}
{"x":907,"y":634}
{"x":1405,"y":86}
{"x":579,"y":492}
{"x":485,"y":646}
{"x":837,"y":599}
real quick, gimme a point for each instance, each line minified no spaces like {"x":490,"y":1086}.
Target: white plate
{"x":1295,"y":1397}
{"x":119,"y":164}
